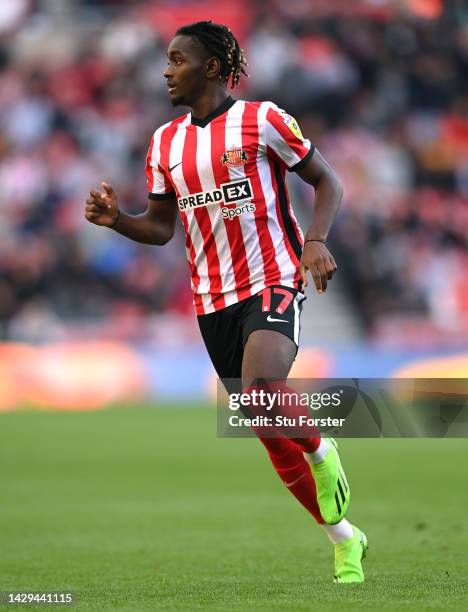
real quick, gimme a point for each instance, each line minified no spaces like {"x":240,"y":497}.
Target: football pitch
{"x":146,"y":509}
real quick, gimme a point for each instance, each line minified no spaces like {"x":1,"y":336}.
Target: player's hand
{"x":101,"y":206}
{"x":317,"y":260}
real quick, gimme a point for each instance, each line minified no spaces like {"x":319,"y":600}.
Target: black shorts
{"x":225,"y":331}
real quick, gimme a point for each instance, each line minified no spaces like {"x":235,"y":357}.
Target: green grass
{"x":146,"y":509}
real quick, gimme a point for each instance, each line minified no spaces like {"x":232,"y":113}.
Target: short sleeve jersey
{"x":227,"y":173}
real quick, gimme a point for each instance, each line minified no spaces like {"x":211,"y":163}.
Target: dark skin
{"x":193,"y":79}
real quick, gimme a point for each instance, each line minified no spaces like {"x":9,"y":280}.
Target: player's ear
{"x":213,"y":67}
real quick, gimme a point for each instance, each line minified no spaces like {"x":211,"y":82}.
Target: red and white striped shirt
{"x":227,"y":172}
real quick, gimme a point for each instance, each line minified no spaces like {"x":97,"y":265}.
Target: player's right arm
{"x":155,"y":226}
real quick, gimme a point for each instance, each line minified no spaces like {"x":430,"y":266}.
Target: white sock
{"x":339,"y":532}
{"x":318,"y":455}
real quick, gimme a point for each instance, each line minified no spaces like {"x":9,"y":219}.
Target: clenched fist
{"x":101,"y":207}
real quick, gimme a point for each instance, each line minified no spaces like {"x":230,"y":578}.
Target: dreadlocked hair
{"x":221,"y":42}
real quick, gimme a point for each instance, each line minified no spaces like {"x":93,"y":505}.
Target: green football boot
{"x":332,"y":487}
{"x":348,"y":558}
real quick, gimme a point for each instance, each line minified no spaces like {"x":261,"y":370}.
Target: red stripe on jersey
{"x":296,"y":144}
{"x":192,"y":180}
{"x":165,"y":149}
{"x":233,"y":226}
{"x":294,"y":258}
{"x":149,"y":169}
{"x":250,"y":139}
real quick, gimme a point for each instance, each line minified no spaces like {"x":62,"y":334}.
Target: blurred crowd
{"x":381,"y":88}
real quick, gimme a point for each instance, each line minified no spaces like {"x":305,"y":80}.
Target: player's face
{"x":185,"y":72}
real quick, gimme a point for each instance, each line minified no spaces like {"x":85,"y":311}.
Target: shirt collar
{"x":222,"y":108}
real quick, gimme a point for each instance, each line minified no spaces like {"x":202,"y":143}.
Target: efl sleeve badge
{"x":293,"y":126}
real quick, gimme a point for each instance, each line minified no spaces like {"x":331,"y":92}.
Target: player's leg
{"x":268,"y":356}
{"x":222,"y":334}
{"x":271,"y":322}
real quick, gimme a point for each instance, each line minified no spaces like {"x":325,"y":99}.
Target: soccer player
{"x":222,"y":168}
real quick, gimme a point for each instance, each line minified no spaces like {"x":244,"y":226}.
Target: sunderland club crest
{"x":234,"y":156}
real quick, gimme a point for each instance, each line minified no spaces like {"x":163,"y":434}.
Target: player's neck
{"x":209,"y":102}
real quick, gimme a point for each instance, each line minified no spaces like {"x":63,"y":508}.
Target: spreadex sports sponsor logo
{"x":228,"y":193}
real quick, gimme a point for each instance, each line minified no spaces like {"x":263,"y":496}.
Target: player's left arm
{"x":316,"y":257}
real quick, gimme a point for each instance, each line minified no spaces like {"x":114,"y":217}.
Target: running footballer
{"x":222,"y":168}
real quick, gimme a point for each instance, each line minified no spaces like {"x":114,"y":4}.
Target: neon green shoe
{"x":348,"y":557}
{"x":332,"y":487}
